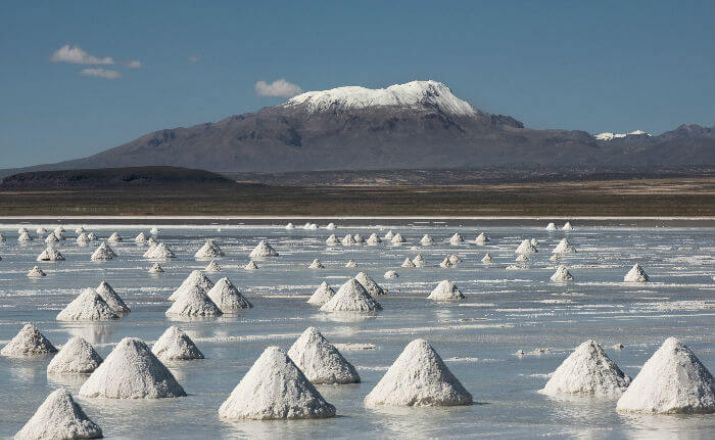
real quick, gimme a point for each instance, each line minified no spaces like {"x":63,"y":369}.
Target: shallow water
{"x":506,"y":310}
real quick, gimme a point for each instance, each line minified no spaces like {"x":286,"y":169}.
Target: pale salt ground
{"x":503,"y":312}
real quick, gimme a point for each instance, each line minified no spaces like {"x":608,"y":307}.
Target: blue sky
{"x":602,"y":65}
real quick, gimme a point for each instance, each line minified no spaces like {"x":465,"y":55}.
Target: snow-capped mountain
{"x":609,"y":136}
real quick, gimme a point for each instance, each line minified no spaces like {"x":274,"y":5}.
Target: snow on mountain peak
{"x":608,"y":136}
{"x":414,"y":94}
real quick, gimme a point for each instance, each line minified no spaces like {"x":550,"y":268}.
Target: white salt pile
{"x":330,"y":226}
{"x":290,"y":226}
{"x":446,"y":291}
{"x":561,"y":275}
{"x":588,"y":371}
{"x":51,"y":239}
{"x":82,"y":239}
{"x":175,"y":345}
{"x":212,"y":267}
{"x":481,"y":239}
{"x":79,"y":229}
{"x":151,"y":241}
{"x":195,"y":279}
{"x":262,"y":250}
{"x":522,"y":258}
{"x":110,"y":296}
{"x":389,"y":235}
{"x":227,"y":296}
{"x":50,"y":254}
{"x":370,"y":285}
{"x":41,"y":230}
{"x":193,"y":302}
{"x":208,"y":251}
{"x":636,"y":275}
{"x":390,"y":275}
{"x":321,"y":295}
{"x":446,"y":263}
{"x":76,"y":356}
{"x":419,"y":261}
{"x":454,"y":259}
{"x":397,"y":239}
{"x":103,"y":253}
{"x":567,"y":227}
{"x":24,"y":236}
{"x":92,"y":236}
{"x":673,"y":380}
{"x":310,"y":226}
{"x":358,"y":239}
{"x":159,"y":251}
{"x":320,"y":361}
{"x":154,"y":231}
{"x":61,"y":418}
{"x":59,"y":232}
{"x":28,"y":342}
{"x":156,"y":268}
{"x":487,"y":259}
{"x":373,"y":240}
{"x":332,"y":240}
{"x":316,"y":264}
{"x":115,"y":238}
{"x":351,"y":264}
{"x":351,"y":297}
{"x":36,"y":272}
{"x":88,"y":306}
{"x":408,"y":263}
{"x":21,"y":230}
{"x":525,"y":248}
{"x":456,"y":239}
{"x":418,"y":377}
{"x":275,"y":388}
{"x":140,"y":238}
{"x":131,"y":371}
{"x":251,"y":265}
{"x":551,"y":226}
{"x":564,"y":247}
{"x":348,"y":240}
{"x":426,"y":240}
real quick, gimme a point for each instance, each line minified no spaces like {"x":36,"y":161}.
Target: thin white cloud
{"x":280,"y":88}
{"x":134,"y":64}
{"x":76,"y":55}
{"x":98,"y":72}
{"x":194,"y":59}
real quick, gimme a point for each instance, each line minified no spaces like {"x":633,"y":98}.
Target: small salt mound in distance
{"x":310,"y":226}
{"x":446,"y":264}
{"x":358,"y":239}
{"x":212,"y":267}
{"x":22,"y":230}
{"x":351,"y":297}
{"x":348,"y":240}
{"x":446,"y":291}
{"x":588,"y":371}
{"x":79,"y":229}
{"x":351,"y":264}
{"x":426,"y":240}
{"x":193,"y":302}
{"x":673,"y":380}
{"x":330,"y":226}
{"x":290,"y":226}
{"x":551,"y":227}
{"x":251,"y":265}
{"x":275,"y":388}
{"x":418,"y":377}
{"x":332,"y":240}
{"x":481,"y":239}
{"x":36,"y":272}
{"x":115,"y":238}
{"x":29,"y":341}
{"x":370,"y":285}
{"x":103,"y":253}
{"x":454,"y":259}
{"x":321,"y":295}
{"x":92,"y":236}
{"x":408,"y":263}
{"x":561,"y":275}
{"x":389,"y":235}
{"x":564,"y":247}
{"x":419,"y":261}
{"x":208,"y":251}
{"x":636,"y":275}
{"x":522,"y":258}
{"x":175,"y":345}
{"x":50,"y":254}
{"x":487,"y":259}
{"x":373,"y":240}
{"x":397,"y":239}
{"x":88,"y":306}
{"x":159,"y":251}
{"x":156,"y":268}
{"x":320,"y":361}
{"x":76,"y":356}
{"x":82,"y":239}
{"x":567,"y":227}
{"x":456,"y":239}
{"x":316,"y":264}
{"x":110,"y":296}
{"x":391,"y":275}
{"x":195,"y":279}
{"x":154,"y":231}
{"x":59,"y":417}
{"x":131,"y":371}
{"x":227,"y":296}
{"x":59,"y":232}
{"x":41,"y":230}
{"x":262,"y":250}
{"x":525,"y":248}
{"x":140,"y":238}
{"x":24,"y":236}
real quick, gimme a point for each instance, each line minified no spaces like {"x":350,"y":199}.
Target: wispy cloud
{"x":99,"y":72}
{"x":193,"y":59}
{"x":280,"y":88}
{"x":76,"y":55}
{"x":134,"y":64}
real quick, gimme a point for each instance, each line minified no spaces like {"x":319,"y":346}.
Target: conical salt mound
{"x":389,"y":235}
{"x":373,"y":240}
{"x":290,"y":226}
{"x":636,"y":275}
{"x":154,"y":231}
{"x":51,"y":239}
{"x":262,"y":250}
{"x":21,"y":229}
{"x":418,"y":377}
{"x":227,"y":296}
{"x":370,"y":285}
{"x":446,"y":291}
{"x":419,"y":261}
{"x":213,"y":267}
{"x":567,"y":227}
{"x":175,"y":345}
{"x":332,"y":240}
{"x":525,"y":248}
{"x":330,"y":226}
{"x":588,"y":371}
{"x":320,"y":361}
{"x":110,"y":296}
{"x":103,"y":253}
{"x":159,"y":251}
{"x":76,"y":356}
{"x":88,"y":306}
{"x":456,"y":239}
{"x":487,"y":259}
{"x":24,"y":236}
{"x":408,"y":263}
{"x":92,"y":236}
{"x":274,"y":388}
{"x":358,"y":239}
{"x":321,"y":295}
{"x":251,"y":265}
{"x":551,"y":227}
{"x":564,"y":247}
{"x":115,"y":238}
{"x":561,"y":275}
{"x":445,"y":264}
{"x":59,"y":418}
{"x":208,"y":251}
{"x":397,"y":239}
{"x":391,"y":275}
{"x":140,"y":238}
{"x":193,"y":302}
{"x":522,"y":258}
{"x":316,"y":264}
{"x":41,"y":230}
{"x":481,"y":239}
{"x":82,"y":239}
{"x":351,"y":297}
{"x":28,"y":342}
{"x":50,"y":254}
{"x":195,"y":279}
{"x":426,"y":240}
{"x":454,"y":259}
{"x":156,"y":268}
{"x":673,"y":380}
{"x":348,"y":240}
{"x":131,"y":371}
{"x":36,"y":272}
{"x":351,"y":264}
